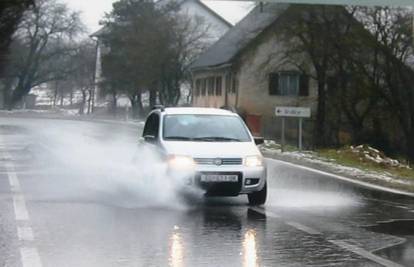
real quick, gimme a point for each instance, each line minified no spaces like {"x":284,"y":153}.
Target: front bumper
{"x":256,"y":175}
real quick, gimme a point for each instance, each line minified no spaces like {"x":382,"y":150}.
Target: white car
{"x":212,"y":147}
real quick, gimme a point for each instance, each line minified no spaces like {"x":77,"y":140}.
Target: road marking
{"x":25,"y":233}
{"x":30,"y":257}
{"x":296,"y":225}
{"x":403,"y":207}
{"x":303,"y":228}
{"x":20,"y":210}
{"x":363,"y":253}
{"x":389,"y":203}
{"x":13,"y":180}
{"x":265,"y":212}
{"x":401,"y":241}
{"x":340,"y":243}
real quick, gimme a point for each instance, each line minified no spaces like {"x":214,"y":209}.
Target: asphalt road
{"x":75,"y":193}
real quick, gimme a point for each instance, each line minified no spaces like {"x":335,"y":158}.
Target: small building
{"x":246,"y":70}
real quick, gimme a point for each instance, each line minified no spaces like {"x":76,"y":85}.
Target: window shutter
{"x":203,"y":86}
{"x":198,"y":87}
{"x":218,"y":85}
{"x":304,"y":85}
{"x":273,"y":84}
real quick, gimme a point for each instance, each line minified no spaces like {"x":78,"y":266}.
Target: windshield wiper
{"x":180,"y":138}
{"x":216,"y":138}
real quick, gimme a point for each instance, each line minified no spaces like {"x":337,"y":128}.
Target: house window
{"x":218,"y":85}
{"x":228,"y":82}
{"x":210,"y":85}
{"x":288,"y":84}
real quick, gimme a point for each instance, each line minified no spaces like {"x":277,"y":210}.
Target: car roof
{"x":197,"y":111}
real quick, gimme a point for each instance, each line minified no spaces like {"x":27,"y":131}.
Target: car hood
{"x":211,"y":149}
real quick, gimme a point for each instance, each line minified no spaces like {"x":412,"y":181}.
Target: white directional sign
{"x":298,"y":112}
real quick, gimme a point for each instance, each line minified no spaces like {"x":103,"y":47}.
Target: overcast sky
{"x":93,"y":10}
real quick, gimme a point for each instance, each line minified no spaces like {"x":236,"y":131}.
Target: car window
{"x":205,"y":128}
{"x":152,"y":126}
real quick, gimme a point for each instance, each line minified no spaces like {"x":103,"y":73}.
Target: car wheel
{"x":259,"y":197}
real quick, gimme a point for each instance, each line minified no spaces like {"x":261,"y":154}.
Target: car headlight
{"x":180,"y":162}
{"x":253,"y":161}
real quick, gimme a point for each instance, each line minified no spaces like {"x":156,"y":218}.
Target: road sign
{"x":295,"y":112}
{"x":298,"y":112}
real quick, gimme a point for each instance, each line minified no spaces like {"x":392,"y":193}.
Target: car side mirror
{"x":149,"y":139}
{"x":258,"y":140}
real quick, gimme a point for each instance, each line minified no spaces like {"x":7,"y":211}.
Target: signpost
{"x":295,"y":112}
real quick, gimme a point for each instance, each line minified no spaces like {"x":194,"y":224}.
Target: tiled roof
{"x":237,"y":38}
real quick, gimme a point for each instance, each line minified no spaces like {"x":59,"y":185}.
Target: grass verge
{"x":350,"y":159}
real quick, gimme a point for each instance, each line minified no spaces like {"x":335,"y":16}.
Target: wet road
{"x":78,"y":193}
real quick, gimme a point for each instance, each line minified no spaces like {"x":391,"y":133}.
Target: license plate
{"x":212,"y":178}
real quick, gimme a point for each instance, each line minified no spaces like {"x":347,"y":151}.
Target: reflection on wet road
{"x":92,"y":199}
{"x":249,"y":249}
{"x":177,"y":249}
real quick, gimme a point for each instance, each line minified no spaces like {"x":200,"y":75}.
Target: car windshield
{"x":205,"y":128}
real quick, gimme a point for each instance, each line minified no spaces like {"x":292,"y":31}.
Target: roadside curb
{"x":341,"y":177}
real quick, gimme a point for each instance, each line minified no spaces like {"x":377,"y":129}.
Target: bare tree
{"x":43,"y":41}
{"x":362,"y":61}
{"x":308,"y":31}
{"x":83,"y":76}
{"x":10,"y":15}
{"x":188,"y":39}
{"x":391,"y":50}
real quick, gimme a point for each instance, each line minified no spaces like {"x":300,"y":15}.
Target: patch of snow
{"x":372,"y":155}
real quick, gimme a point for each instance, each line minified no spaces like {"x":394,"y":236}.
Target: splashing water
{"x":81,"y":164}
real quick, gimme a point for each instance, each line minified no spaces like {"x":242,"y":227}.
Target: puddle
{"x":402,"y":253}
{"x":395,"y":227}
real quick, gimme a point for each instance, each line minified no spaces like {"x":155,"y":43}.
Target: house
{"x":195,"y":9}
{"x":245,"y":70}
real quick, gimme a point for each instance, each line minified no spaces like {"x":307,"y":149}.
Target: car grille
{"x":218,"y":161}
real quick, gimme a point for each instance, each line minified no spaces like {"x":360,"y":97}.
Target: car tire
{"x":259,"y":197}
